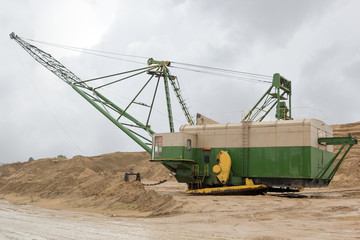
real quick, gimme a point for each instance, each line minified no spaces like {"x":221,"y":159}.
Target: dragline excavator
{"x":250,"y":157}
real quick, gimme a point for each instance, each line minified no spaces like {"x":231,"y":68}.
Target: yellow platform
{"x":248,"y":188}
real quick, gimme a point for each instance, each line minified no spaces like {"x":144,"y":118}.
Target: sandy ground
{"x":313,"y":214}
{"x":86,"y":198}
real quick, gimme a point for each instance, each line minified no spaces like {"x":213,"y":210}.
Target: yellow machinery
{"x":222,"y":171}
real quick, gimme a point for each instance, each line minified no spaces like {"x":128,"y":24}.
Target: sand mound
{"x":348,"y":174}
{"x":90,"y":182}
{"x":97,"y":182}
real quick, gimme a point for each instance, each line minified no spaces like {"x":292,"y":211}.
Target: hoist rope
{"x":89,"y":51}
{"x":85,"y":49}
{"x":242,"y":78}
{"x":227,"y":73}
{"x":224,"y":70}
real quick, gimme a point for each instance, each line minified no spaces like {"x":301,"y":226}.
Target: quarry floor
{"x":328,"y":213}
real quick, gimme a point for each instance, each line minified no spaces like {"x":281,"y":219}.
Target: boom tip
{"x":12,"y":35}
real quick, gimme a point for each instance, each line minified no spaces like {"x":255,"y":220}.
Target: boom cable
{"x":85,"y":49}
{"x":90,"y":51}
{"x":243,"y":78}
{"x":227,"y":73}
{"x":224,"y":70}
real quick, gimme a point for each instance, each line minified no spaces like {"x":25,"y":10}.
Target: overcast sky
{"x":315,"y":44}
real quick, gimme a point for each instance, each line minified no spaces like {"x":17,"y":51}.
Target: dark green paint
{"x":265,"y":162}
{"x":339,"y":140}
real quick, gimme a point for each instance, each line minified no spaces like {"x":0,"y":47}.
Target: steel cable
{"x":227,"y":73}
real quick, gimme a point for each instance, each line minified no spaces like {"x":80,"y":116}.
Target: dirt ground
{"x":313,"y":214}
{"x":86,"y":198}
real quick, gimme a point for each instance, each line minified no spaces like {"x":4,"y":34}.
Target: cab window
{"x":158,"y":146}
{"x":188,"y":145}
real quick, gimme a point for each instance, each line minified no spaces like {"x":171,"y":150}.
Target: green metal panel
{"x":282,"y":162}
{"x":339,"y":140}
{"x":287,"y":162}
{"x":265,"y":162}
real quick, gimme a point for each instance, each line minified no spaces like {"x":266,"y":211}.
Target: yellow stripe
{"x":220,"y":190}
{"x":172,"y":159}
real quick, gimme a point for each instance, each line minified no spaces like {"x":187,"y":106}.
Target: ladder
{"x":245,"y":150}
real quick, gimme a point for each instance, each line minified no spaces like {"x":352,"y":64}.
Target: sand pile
{"x":89,"y":182}
{"x":348,"y":174}
{"x":96,"y":183}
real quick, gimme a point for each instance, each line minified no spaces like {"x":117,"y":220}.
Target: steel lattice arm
{"x":181,"y":100}
{"x":100,"y":102}
{"x":48,"y":61}
{"x":165,"y":73}
{"x":108,"y":108}
{"x":277,"y":95}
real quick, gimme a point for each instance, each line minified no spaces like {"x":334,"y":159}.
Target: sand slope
{"x":96,"y":183}
{"x":88,"y":182}
{"x":348,"y":175}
